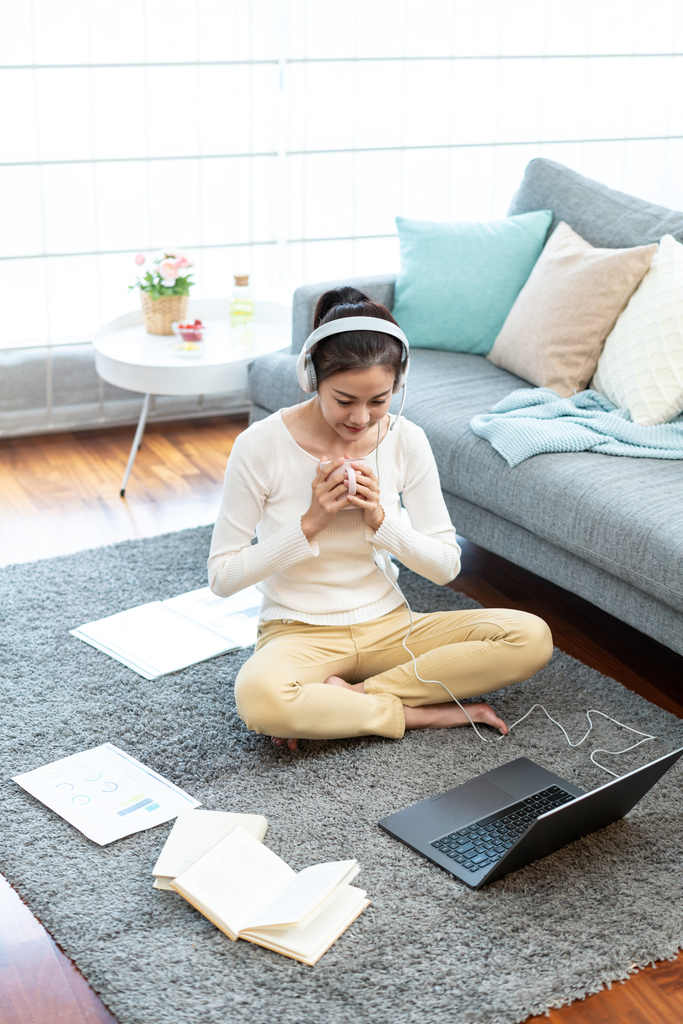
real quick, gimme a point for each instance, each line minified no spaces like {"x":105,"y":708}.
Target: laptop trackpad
{"x":471,"y":801}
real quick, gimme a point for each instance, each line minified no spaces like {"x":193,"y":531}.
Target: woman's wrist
{"x":309,"y":529}
{"x":376,"y":518}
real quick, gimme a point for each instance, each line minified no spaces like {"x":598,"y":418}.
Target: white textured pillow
{"x":641,"y":366}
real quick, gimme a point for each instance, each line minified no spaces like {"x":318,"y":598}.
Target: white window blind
{"x":282,"y":137}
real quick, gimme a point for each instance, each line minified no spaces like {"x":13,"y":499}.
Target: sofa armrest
{"x":380,"y":288}
{"x":272,"y":381}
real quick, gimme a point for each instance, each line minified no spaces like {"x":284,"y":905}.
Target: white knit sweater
{"x":333,"y":580}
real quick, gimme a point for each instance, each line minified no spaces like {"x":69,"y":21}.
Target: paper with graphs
{"x":105,"y":793}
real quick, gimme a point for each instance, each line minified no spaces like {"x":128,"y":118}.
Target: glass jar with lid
{"x":241,"y":302}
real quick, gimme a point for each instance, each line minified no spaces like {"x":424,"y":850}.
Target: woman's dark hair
{"x":354,"y":350}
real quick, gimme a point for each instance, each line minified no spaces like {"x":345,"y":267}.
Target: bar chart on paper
{"x":136,"y":803}
{"x":106,"y":793}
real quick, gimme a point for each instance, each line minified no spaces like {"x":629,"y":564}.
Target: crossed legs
{"x":325,"y":682}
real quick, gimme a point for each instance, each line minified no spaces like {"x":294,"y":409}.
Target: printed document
{"x":105,"y":793}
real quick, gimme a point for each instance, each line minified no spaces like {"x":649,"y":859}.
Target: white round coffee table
{"x":128,"y":357}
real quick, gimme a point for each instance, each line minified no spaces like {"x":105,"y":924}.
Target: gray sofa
{"x":607,"y":528}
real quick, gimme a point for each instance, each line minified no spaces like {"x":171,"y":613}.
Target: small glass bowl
{"x":190,"y":338}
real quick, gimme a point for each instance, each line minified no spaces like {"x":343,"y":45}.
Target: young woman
{"x":329,"y":660}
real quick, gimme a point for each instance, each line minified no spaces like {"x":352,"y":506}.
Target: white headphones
{"x":305,"y":370}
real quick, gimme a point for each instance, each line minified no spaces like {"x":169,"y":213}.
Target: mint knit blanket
{"x":532,"y":421}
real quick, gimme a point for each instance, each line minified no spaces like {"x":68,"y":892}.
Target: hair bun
{"x":346,"y":296}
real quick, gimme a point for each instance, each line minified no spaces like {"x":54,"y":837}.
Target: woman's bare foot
{"x":436,"y":716}
{"x":429,"y":716}
{"x":447,"y":716}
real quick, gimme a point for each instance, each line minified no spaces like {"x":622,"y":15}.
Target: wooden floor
{"x":60,"y":493}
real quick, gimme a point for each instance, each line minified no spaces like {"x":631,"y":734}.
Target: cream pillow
{"x":554,"y":333}
{"x":641,"y":367}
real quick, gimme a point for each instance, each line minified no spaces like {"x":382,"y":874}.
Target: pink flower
{"x":139,"y":259}
{"x":168,"y":272}
{"x":182,"y":262}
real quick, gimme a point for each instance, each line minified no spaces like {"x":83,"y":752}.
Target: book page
{"x":196,"y":832}
{"x":163,"y":882}
{"x":234,"y":879}
{"x":308,"y":944}
{"x":304,"y":893}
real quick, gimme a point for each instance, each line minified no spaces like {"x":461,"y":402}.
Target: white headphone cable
{"x":592,"y":711}
{"x":599,"y":750}
{"x":438,"y":681}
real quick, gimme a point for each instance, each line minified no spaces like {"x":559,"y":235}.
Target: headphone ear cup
{"x":404,"y":375}
{"x":302,"y":370}
{"x":311,"y":374}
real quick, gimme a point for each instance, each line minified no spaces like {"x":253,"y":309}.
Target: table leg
{"x":137,"y":441}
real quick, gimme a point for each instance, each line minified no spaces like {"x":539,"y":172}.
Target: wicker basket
{"x":160,"y":313}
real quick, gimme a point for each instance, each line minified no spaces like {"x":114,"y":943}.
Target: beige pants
{"x":280,"y":690}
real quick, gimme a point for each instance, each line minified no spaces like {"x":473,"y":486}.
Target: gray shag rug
{"x":428,"y":950}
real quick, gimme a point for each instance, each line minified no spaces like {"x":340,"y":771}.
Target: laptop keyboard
{"x":479,"y":845}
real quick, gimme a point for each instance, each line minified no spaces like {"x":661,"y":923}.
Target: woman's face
{"x":352,"y":402}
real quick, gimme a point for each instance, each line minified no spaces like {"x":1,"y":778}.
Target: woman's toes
{"x":489,"y":717}
{"x":280,"y":741}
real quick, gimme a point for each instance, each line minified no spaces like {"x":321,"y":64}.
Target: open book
{"x":248,"y":892}
{"x":166,"y":636}
{"x":193,"y":835}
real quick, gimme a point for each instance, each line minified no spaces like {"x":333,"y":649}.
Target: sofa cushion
{"x":603,"y":216}
{"x":458,"y":281}
{"x":601,"y":588}
{"x":554,"y":333}
{"x":641,"y":367}
{"x":624,"y":515}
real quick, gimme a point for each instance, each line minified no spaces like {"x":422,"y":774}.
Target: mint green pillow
{"x":458,"y":282}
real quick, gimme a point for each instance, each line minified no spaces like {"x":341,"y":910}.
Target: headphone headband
{"x":305,"y":369}
{"x":360,"y":323}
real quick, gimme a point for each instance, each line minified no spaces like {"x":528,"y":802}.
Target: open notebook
{"x":166,"y":636}
{"x":249,"y":892}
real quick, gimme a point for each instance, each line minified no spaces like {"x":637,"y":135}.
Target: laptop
{"x":508,"y":817}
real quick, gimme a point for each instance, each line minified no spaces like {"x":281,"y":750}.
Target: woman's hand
{"x":366,"y":497}
{"x":329,"y":496}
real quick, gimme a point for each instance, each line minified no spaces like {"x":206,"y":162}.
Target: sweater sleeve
{"x":428,"y":546}
{"x":234,"y":562}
